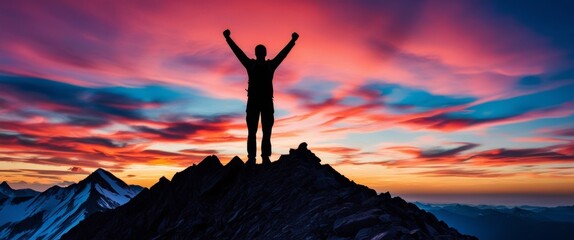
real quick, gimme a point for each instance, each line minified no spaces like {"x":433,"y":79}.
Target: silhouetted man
{"x":259,"y":93}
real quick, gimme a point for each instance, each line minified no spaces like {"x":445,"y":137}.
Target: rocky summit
{"x":294,"y":197}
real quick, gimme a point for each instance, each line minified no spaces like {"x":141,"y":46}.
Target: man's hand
{"x":226,"y":33}
{"x":294,"y":36}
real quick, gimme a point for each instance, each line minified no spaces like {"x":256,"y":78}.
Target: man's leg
{"x":267,"y":121}
{"x":252,"y":119}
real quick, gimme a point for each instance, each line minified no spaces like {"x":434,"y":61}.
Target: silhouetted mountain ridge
{"x":7,"y":191}
{"x":498,"y":222}
{"x":294,"y":197}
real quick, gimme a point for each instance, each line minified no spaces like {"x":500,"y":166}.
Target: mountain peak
{"x":235,"y":161}
{"x":4,"y":185}
{"x":294,"y":197}
{"x":102,"y":172}
{"x":210,"y":162}
{"x":95,"y":176}
{"x":101,"y":175}
{"x":106,"y":180}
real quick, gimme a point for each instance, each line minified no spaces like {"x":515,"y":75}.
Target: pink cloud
{"x":442,"y":48}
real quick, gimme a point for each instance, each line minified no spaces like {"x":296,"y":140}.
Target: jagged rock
{"x":294,"y":197}
{"x":364,"y":234}
{"x":349,"y":225}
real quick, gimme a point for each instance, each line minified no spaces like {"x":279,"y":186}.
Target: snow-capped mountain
{"x":52,"y":213}
{"x":7,"y":192}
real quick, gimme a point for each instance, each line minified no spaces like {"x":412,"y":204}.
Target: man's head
{"x":260,"y":52}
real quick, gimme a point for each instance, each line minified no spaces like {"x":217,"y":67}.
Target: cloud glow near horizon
{"x":411,"y":97}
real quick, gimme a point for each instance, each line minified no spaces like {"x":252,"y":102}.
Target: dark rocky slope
{"x":293,"y":198}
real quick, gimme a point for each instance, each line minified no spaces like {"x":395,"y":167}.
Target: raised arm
{"x":283,"y":54}
{"x":238,"y":52}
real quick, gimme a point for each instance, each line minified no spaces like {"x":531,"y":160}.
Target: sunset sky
{"x":459,"y":99}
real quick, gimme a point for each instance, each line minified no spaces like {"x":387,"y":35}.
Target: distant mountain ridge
{"x":294,"y":197}
{"x":50,"y":214}
{"x":7,"y":192}
{"x":498,"y":222}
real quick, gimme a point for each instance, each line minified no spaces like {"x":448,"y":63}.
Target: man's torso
{"x":260,"y":79}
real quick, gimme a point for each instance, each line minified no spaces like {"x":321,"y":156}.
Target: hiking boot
{"x":250,"y":161}
{"x":266,"y":160}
